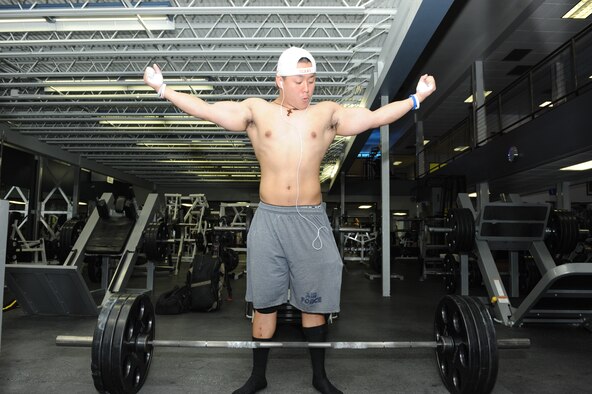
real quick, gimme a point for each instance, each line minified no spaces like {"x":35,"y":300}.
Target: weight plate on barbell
{"x":130,"y":363}
{"x":485,"y":330}
{"x":458,"y":365}
{"x":119,"y":364}
{"x":101,"y":344}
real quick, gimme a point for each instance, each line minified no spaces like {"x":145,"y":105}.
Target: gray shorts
{"x":281,"y":255}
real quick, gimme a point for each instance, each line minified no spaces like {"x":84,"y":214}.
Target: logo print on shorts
{"x":311,"y":298}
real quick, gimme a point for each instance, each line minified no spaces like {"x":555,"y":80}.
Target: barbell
{"x":122,"y":346}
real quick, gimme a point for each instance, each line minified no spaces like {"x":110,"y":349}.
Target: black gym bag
{"x":175,"y":301}
{"x":206,"y":278}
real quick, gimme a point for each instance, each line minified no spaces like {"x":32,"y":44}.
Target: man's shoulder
{"x":254,"y":101}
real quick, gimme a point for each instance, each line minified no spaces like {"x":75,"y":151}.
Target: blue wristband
{"x":415,"y":102}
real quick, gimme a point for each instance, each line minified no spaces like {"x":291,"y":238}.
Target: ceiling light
{"x":580,"y":11}
{"x":461,"y":148}
{"x":474,"y":194}
{"x":127,"y":23}
{"x":365,"y":207}
{"x":109,"y":19}
{"x":169,"y":120}
{"x":115,"y":87}
{"x":194,"y":161}
{"x":546,"y":104}
{"x":470,"y":98}
{"x":579,"y":167}
{"x":82,"y":203}
{"x":397,"y":163}
{"x":399,"y":213}
{"x":425,"y":142}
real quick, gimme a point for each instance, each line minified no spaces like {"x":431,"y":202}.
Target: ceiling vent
{"x":516,"y":55}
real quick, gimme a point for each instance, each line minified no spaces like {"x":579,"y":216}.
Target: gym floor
{"x":557,"y":362}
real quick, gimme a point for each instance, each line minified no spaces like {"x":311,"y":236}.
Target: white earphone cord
{"x":298,"y":186}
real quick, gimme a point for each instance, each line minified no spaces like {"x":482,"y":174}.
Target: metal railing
{"x":562,"y":75}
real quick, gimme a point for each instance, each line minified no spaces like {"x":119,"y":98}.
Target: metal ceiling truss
{"x":70,"y":75}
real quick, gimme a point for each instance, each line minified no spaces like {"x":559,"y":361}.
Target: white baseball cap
{"x":288,"y":62}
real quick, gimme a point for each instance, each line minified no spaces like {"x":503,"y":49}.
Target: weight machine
{"x":564,"y":292}
{"x":113,"y":230}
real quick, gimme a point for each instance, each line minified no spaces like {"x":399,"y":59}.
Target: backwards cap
{"x":288,"y":62}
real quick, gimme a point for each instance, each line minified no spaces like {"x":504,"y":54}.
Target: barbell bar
{"x":86,"y":341}
{"x":122,"y":347}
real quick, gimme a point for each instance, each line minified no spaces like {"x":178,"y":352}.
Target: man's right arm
{"x":233,"y":116}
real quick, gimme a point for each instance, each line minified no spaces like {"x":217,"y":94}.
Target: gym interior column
{"x":419,"y":148}
{"x":4,"y":206}
{"x":563,"y":196}
{"x":480,"y":122}
{"x":76,"y":191}
{"x":35,"y":199}
{"x":386,"y":206}
{"x":342,"y":212}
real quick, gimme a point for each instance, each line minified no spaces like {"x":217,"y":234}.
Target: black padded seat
{"x":110,"y":236}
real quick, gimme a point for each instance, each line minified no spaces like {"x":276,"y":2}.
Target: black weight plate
{"x":102,"y":342}
{"x":452,"y":235}
{"x":574,"y":233}
{"x":487,"y":346}
{"x":462,"y":230}
{"x":129,"y":363}
{"x":469,"y":230}
{"x":456,"y":365}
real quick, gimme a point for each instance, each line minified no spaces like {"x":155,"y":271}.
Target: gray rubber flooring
{"x":559,"y":360}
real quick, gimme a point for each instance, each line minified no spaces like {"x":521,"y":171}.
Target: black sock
{"x":257,"y":379}
{"x":317,"y":357}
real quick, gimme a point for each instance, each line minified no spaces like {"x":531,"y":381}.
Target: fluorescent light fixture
{"x":474,"y":194}
{"x":110,"y":19}
{"x":194,"y":161}
{"x":579,"y":167}
{"x":115,"y":86}
{"x":17,"y":202}
{"x":397,"y":163}
{"x":192,"y":143}
{"x":82,"y":203}
{"x":26,"y":20}
{"x":425,"y":142}
{"x":470,"y":98}
{"x":461,"y":148}
{"x":582,"y":10}
{"x":365,"y":207}
{"x":399,"y":213}
{"x":158,"y":120}
{"x":115,"y":23}
{"x":546,"y":104}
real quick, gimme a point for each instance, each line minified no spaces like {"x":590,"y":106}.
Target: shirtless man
{"x":290,"y":243}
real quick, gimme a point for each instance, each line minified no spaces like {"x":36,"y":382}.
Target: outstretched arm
{"x":353,"y":121}
{"x":233,"y":116}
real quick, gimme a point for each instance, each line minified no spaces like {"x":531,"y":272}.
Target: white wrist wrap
{"x":422,"y":87}
{"x":161,"y":90}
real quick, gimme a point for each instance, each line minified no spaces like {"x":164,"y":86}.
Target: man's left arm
{"x":353,"y":121}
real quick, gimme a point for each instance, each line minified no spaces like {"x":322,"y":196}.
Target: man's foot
{"x":324,"y":386}
{"x":254,"y":384}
